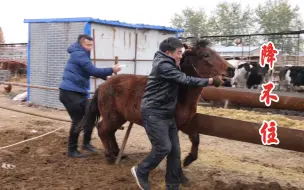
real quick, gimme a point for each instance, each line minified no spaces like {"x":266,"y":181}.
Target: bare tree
{"x":2,"y":41}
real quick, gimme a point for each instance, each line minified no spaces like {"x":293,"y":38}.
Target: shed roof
{"x":105,"y":22}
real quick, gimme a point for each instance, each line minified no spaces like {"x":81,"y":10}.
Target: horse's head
{"x":199,"y":60}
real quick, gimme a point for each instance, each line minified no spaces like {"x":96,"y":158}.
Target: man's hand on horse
{"x":116,"y":68}
{"x":216,"y":81}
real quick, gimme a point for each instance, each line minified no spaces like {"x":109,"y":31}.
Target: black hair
{"x":85,"y":36}
{"x":170,"y":44}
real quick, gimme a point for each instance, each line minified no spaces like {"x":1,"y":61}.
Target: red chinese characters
{"x":268,"y":52}
{"x":266,"y":95}
{"x":268,"y":132}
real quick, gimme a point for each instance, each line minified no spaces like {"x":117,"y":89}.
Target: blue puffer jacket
{"x":79,"y":68}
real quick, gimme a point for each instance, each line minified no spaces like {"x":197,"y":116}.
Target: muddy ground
{"x":43,"y":164}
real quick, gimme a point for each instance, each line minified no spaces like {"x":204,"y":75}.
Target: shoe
{"x":89,"y":148}
{"x":76,"y":154}
{"x":73,"y":151}
{"x":141,"y":181}
{"x":184,"y":180}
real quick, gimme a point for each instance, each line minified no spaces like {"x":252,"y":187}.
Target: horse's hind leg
{"x":113,"y":143}
{"x":192,"y":156}
{"x":104,"y":133}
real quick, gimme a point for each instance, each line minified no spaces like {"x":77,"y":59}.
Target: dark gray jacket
{"x":161,"y":92}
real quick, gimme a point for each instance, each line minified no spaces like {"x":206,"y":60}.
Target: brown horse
{"x":118,"y":99}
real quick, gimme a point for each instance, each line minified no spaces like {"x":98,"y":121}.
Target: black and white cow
{"x":291,"y":77}
{"x":259,"y":75}
{"x":248,"y":75}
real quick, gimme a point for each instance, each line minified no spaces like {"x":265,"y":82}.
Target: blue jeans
{"x":163,"y":135}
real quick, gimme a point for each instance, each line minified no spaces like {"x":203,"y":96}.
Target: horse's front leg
{"x":192,"y":156}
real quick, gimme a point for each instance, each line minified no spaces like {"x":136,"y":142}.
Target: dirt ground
{"x":43,"y":164}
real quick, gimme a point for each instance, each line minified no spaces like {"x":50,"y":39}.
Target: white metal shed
{"x":133,"y":44}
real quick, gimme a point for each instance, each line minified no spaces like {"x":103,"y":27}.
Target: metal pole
{"x":244,"y":131}
{"x":94,"y":56}
{"x":135,"y":56}
{"x":41,"y":115}
{"x":298,"y":49}
{"x":132,"y":60}
{"x":33,"y":86}
{"x":249,"y":47}
{"x":250,"y":98}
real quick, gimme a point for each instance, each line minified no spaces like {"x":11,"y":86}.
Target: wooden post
{"x":116,"y":60}
{"x":124,"y":142}
{"x":122,"y":148}
{"x":122,"y":128}
{"x":135,"y":56}
{"x":226,"y":104}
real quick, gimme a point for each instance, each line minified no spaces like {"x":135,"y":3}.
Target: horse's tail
{"x":92,"y":114}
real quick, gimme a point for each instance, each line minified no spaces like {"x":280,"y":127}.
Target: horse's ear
{"x":188,"y":52}
{"x":185,"y":46}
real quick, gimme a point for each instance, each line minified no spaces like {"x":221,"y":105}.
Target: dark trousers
{"x":163,"y":135}
{"x":75,"y":103}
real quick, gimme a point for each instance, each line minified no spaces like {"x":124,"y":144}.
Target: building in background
{"x":13,"y":52}
{"x":237,"y":51}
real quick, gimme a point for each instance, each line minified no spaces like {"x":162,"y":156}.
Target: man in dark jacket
{"x":158,"y":108}
{"x":74,"y":89}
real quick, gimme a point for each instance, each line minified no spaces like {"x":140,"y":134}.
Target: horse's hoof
{"x":188,"y":160}
{"x":110,"y":159}
{"x":124,"y":157}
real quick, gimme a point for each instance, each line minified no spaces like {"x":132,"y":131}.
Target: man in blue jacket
{"x":74,"y":89}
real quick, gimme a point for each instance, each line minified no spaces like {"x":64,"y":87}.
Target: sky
{"x":155,"y":12}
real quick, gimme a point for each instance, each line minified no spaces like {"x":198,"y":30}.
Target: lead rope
{"x":195,"y":69}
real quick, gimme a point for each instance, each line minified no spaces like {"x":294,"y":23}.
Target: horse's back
{"x":122,"y":93}
{"x":126,"y":81}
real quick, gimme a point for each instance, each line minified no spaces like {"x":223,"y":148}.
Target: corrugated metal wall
{"x":48,"y":56}
{"x":148,"y":43}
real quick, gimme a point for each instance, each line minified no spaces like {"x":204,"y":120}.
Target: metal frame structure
{"x":12,"y":45}
{"x":278,"y":35}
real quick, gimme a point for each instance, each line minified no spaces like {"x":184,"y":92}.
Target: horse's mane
{"x":203,"y":43}
{"x":190,"y":50}
{"x":194,"y":43}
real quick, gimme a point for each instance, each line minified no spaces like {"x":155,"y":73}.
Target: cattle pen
{"x":247,"y":47}
{"x":224,"y":163}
